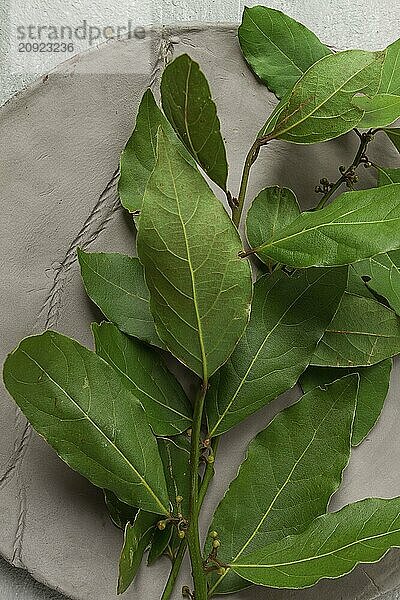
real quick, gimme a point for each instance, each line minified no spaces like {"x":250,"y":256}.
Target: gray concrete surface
{"x":52,"y":522}
{"x":342,"y":23}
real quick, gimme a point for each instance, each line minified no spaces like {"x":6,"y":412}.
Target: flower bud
{"x":185,"y":592}
{"x":213,"y":534}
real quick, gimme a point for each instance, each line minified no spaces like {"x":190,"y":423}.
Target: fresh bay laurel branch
{"x":324,"y":312}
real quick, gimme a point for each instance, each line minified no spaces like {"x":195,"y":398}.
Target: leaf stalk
{"x":207,"y":477}
{"x":176,"y":566}
{"x":250,"y":159}
{"x":193,"y":537}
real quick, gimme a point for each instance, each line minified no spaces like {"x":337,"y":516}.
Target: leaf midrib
{"x":389,"y":85}
{"x":281,"y":489}
{"x":94,"y":424}
{"x":377,"y":335}
{"x":278,"y":132}
{"x":330,"y":553}
{"x":244,"y":378}
{"x":122,"y":289}
{"x":186,"y":113}
{"x":192,"y":276}
{"x":321,"y":226}
{"x":125,"y":375}
{"x":370,"y":111}
{"x":275,"y":45}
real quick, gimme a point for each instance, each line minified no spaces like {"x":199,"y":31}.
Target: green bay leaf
{"x":288,"y":318}
{"x":379,"y":111}
{"x":356,"y":285}
{"x":354,"y":226}
{"x":273,"y":209}
{"x":189,"y":107}
{"x":363,"y":332}
{"x":386,"y":176}
{"x":138,"y":159}
{"x":372,"y":392}
{"x":291,"y":470}
{"x":137,"y":537}
{"x":175,"y":455}
{"x":382,"y":275}
{"x":77,"y":402}
{"x":393,"y":134}
{"x":320,"y":106}
{"x":332,"y":546}
{"x":120,"y":513}
{"x":116,"y":284}
{"x":278,"y":49}
{"x":200,"y":291}
{"x":143,"y":371}
{"x":159,"y":543}
{"x":390,"y":81}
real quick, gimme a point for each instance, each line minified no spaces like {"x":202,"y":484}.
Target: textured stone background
{"x":340,"y":23}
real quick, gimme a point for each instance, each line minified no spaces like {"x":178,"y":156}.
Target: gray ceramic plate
{"x":61,"y":139}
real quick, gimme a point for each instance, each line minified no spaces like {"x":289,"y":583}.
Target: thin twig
{"x":348,"y":175}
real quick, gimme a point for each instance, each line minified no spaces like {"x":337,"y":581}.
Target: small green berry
{"x":181,"y":534}
{"x":179,"y":499}
{"x":213,"y":534}
{"x":216,"y":544}
{"x":161,"y":525}
{"x":221,"y":571}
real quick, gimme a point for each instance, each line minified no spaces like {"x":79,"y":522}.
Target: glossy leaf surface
{"x":166,"y":405}
{"x":380,"y":110}
{"x":291,"y":470}
{"x":289,"y":316}
{"x":390,"y":81}
{"x":372,"y":392}
{"x":354,"y":226}
{"x":382,"y":275}
{"x":362,"y":333}
{"x":137,"y":537}
{"x":175,"y":454}
{"x":332,"y":546}
{"x":386,"y":176}
{"x":138,"y":159}
{"x":77,"y":402}
{"x":278,"y":49}
{"x":393,"y":134}
{"x":116,"y":284}
{"x":200,"y":289}
{"x":159,"y":543}
{"x":320,"y":106}
{"x":187,"y":103}
{"x":120,"y":513}
{"x":273,"y":209}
